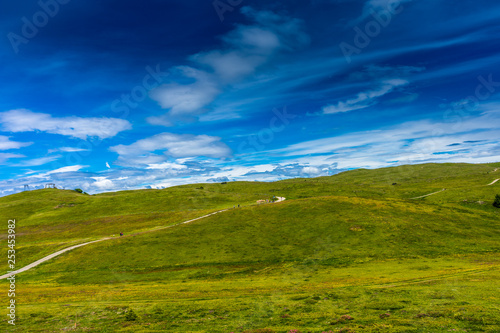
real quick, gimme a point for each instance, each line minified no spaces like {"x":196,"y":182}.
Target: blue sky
{"x":116,"y":95}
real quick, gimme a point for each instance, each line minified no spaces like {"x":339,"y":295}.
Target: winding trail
{"x":58,"y":253}
{"x":493,"y":182}
{"x":50,"y":256}
{"x":423,"y":196}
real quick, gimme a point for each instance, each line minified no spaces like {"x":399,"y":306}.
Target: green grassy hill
{"x":354,"y":244}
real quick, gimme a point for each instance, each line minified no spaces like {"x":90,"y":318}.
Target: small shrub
{"x":130,"y":315}
{"x":78,"y":190}
{"x":496,"y":203}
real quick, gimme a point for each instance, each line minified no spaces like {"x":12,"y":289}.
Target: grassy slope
{"x":49,"y":220}
{"x":331,"y":232}
{"x":329,"y":229}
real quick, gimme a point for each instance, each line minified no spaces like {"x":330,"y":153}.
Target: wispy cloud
{"x":380,"y":79}
{"x":6,"y":156}
{"x":67,"y":150}
{"x":244,"y":50}
{"x":22,"y":120}
{"x":365,"y":99}
{"x":407,"y":143}
{"x":38,"y":161}
{"x":64,"y":170}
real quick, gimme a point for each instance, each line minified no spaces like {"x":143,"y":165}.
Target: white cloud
{"x":365,"y":99}
{"x":102,"y":183}
{"x":188,"y":99}
{"x":27,"y":121}
{"x":174,"y":145}
{"x":6,"y":144}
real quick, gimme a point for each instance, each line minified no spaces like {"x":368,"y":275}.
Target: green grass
{"x":351,"y":244}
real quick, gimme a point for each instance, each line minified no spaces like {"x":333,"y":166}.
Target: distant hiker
{"x":238,"y":206}
{"x":121,"y":234}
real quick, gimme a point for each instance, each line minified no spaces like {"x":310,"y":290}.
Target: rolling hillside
{"x":355,"y":244}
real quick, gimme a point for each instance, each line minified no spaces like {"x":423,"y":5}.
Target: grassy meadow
{"x":354,"y":252}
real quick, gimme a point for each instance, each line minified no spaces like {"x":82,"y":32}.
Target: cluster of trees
{"x":79,"y":190}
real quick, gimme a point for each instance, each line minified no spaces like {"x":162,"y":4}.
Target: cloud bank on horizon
{"x":126,"y":95}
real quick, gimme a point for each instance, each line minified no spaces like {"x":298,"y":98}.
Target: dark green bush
{"x":130,"y":315}
{"x":496,"y":203}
